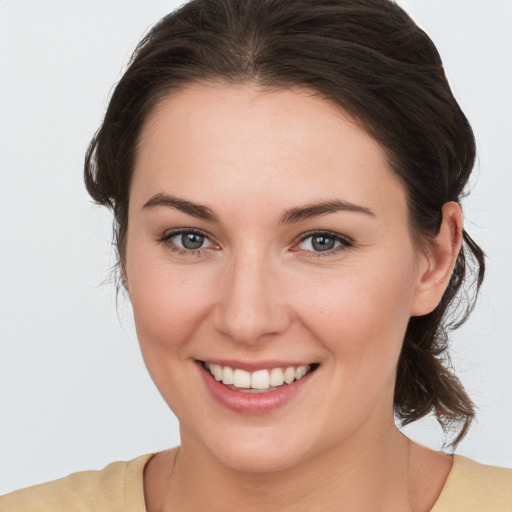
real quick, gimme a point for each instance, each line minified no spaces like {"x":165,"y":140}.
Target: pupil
{"x":192,"y":240}
{"x":323,"y":243}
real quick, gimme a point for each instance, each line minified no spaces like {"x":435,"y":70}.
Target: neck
{"x":363,"y":474}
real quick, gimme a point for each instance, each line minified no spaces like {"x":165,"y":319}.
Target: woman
{"x":285,"y":179}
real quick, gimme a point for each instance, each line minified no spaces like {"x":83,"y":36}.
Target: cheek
{"x":168,"y":305}
{"x":360,"y":319}
{"x":169,"y":309}
{"x":360,"y":315}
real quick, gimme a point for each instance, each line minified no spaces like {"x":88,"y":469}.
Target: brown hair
{"x":371,"y":59}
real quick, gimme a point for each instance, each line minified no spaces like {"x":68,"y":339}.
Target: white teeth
{"x":289,"y":375}
{"x":227,"y":375}
{"x":276,"y":377}
{"x":241,"y":379}
{"x":259,"y":379}
{"x":300,"y":372}
{"x":216,"y":370}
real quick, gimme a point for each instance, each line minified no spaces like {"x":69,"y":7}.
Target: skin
{"x":258,"y":290}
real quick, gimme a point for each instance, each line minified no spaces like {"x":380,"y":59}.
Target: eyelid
{"x":179,"y":231}
{"x":330,"y":234}
{"x":168,"y":235}
{"x":345,"y":242}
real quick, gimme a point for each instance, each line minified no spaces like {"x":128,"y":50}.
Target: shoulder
{"x":117,"y":487}
{"x":475,"y":487}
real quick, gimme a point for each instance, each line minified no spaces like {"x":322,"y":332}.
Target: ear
{"x":436,"y":265}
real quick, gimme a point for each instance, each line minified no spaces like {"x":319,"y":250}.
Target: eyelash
{"x":165,"y":239}
{"x":345,"y":243}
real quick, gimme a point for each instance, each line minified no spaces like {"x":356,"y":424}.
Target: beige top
{"x":470,"y":487}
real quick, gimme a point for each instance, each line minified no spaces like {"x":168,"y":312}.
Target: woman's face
{"x":267,"y":232}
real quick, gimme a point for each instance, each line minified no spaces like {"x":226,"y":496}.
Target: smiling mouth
{"x":259,"y":381}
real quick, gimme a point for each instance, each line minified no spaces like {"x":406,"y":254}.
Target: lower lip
{"x":252,"y":403}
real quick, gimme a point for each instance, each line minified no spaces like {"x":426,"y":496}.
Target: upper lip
{"x":252,"y":366}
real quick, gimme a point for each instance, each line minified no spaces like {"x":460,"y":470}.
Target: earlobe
{"x":439,"y":262}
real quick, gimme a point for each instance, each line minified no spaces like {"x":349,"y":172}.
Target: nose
{"x":251,"y":302}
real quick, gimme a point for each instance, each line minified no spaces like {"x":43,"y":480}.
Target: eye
{"x":186,"y":241}
{"x":324,"y":242}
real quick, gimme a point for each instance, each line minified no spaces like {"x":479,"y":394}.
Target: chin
{"x":250,"y":459}
{"x":255,"y":450}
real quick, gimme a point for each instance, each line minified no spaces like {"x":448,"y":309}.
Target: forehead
{"x":238,"y":142}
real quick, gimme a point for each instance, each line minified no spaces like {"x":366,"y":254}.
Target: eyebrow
{"x":193,"y":209}
{"x":290,"y":216}
{"x":322,"y":208}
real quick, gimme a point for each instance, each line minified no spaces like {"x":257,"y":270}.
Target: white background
{"x":74,"y":393}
